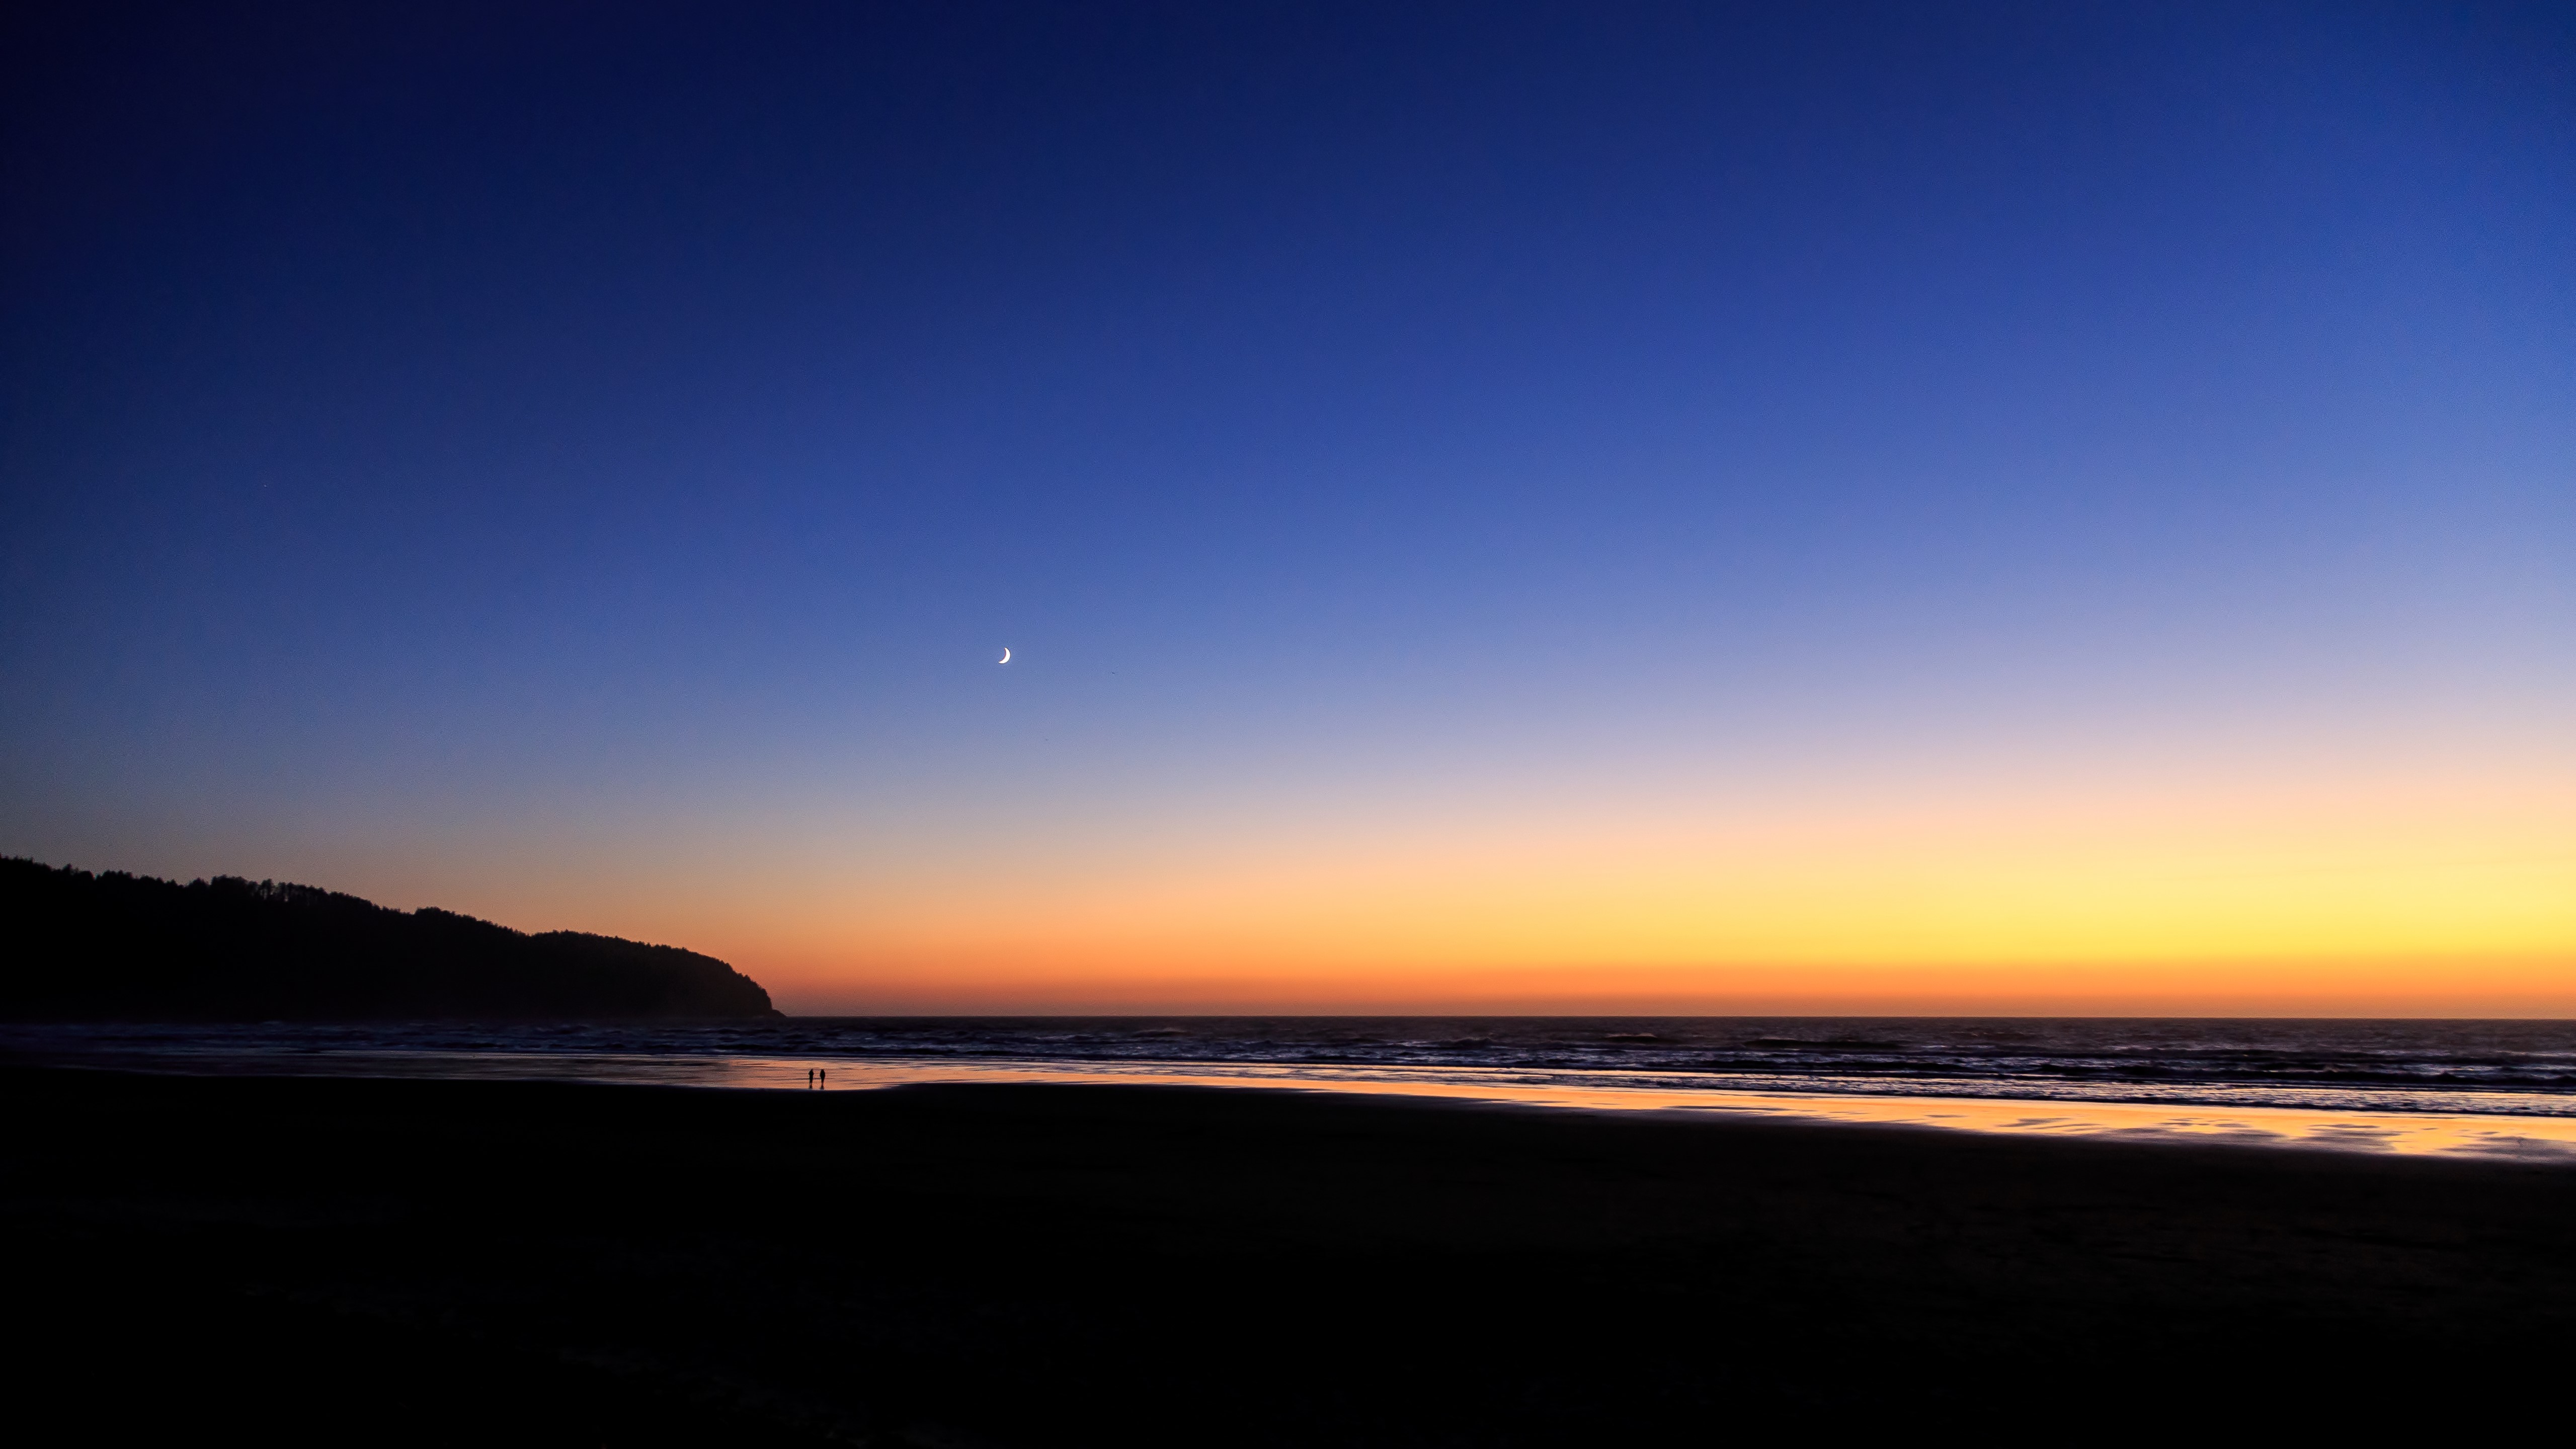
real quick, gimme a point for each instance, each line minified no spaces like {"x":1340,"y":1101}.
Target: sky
{"x":1595,"y":507}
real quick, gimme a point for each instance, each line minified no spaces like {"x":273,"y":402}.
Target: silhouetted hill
{"x":118,"y":947}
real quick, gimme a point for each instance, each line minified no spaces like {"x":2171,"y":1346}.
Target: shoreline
{"x":2175,"y":1119}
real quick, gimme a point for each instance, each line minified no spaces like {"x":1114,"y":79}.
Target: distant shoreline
{"x":2495,"y":1087}
{"x":2460,"y":1125}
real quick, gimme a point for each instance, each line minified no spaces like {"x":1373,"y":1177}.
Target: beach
{"x":422,"y":1261}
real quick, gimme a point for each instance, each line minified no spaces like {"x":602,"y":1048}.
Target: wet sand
{"x":416,"y":1261}
{"x":2508,"y":1129}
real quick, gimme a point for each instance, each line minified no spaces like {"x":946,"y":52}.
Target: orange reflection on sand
{"x":2398,"y":1132}
{"x":2536,"y":1138}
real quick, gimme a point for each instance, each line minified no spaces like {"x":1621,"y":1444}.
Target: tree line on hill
{"x":118,"y":947}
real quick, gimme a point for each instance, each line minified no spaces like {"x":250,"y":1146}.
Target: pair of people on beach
{"x":814,"y":1076}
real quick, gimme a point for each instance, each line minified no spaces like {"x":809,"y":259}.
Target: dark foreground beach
{"x":399,"y":1261}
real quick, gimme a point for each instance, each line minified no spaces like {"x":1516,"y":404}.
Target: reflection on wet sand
{"x":2543,"y":1138}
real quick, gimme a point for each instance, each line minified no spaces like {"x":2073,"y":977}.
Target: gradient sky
{"x":2046,"y":507}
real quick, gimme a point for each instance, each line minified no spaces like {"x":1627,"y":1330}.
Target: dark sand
{"x":374,"y":1261}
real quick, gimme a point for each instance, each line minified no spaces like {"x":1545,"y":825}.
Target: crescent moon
{"x":1005,"y":659}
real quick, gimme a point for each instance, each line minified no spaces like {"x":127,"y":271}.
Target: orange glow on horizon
{"x":2469,"y":909}
{"x":2280,"y":891}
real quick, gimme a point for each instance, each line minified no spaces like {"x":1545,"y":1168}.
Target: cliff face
{"x":117,"y":947}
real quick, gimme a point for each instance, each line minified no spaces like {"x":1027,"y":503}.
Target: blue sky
{"x":426,"y":439}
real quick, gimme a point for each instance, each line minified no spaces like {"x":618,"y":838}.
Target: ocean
{"x":2483,"y":1087}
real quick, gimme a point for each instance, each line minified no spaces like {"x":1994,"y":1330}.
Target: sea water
{"x":2481,"y":1087}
